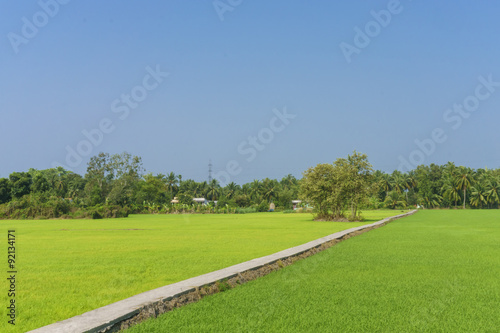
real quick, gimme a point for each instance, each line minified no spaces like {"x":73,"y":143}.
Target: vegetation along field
{"x":436,"y":271}
{"x":68,"y":267}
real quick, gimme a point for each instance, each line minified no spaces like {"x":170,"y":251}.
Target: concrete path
{"x":105,"y":317}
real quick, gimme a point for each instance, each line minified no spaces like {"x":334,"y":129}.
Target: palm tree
{"x":288,"y":182}
{"x":432,"y":200}
{"x":172,"y":182}
{"x":246,"y":188}
{"x":463,"y":180}
{"x":450,"y":168}
{"x":385,"y":182}
{"x":451,"y":191}
{"x":493,"y":187}
{"x":201,"y":189}
{"x":478,"y":195}
{"x":255,"y":188}
{"x":398,"y":182}
{"x":394,"y":200}
{"x":231,"y":189}
{"x":410,"y":180}
{"x":269,"y":189}
{"x":213,"y":190}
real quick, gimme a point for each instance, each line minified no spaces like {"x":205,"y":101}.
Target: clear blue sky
{"x":227,"y":76}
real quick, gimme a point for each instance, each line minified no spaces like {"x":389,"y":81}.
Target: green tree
{"x":20,"y":184}
{"x":478,"y":195}
{"x":173,"y":182}
{"x":213,"y":190}
{"x":152,"y":189}
{"x":231,"y":190}
{"x":5,"y":190}
{"x":398,"y":182}
{"x":115,"y":177}
{"x":493,"y":190}
{"x":40,"y":183}
{"x":318,"y":186}
{"x":463,"y":181}
{"x":255,"y":191}
{"x":394,"y":200}
{"x":269,"y":189}
{"x":430,"y":200}
{"x":451,"y":191}
{"x":355,"y":173}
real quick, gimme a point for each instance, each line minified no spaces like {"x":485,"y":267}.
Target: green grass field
{"x":436,"y":271}
{"x":68,"y":267}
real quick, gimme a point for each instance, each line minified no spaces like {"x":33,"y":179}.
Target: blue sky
{"x":228,"y":79}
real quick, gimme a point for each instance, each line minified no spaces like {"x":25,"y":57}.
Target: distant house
{"x":296,"y":203}
{"x":202,"y":201}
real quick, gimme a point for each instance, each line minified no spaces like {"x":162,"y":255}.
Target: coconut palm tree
{"x":231,"y":189}
{"x":398,"y":182}
{"x":255,"y":190}
{"x":213,"y":190}
{"x":172,"y":182}
{"x":394,"y":200}
{"x":384,"y":181}
{"x":493,"y":190}
{"x":432,"y":200}
{"x":463,"y":180}
{"x":270,"y":189}
{"x":451,"y":191}
{"x":478,"y":195}
{"x":288,"y":182}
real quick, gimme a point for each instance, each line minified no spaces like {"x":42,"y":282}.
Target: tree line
{"x":438,"y":186}
{"x":116,"y":185}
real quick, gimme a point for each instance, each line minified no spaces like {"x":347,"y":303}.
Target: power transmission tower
{"x":210,"y":171}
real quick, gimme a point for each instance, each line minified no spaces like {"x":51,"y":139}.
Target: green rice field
{"x":68,"y":267}
{"x":435,"y":271}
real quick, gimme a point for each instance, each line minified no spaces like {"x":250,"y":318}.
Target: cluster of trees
{"x":438,"y":186}
{"x":335,"y":188}
{"x":116,"y":185}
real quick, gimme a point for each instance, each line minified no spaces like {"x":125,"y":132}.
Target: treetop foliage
{"x":115,"y":185}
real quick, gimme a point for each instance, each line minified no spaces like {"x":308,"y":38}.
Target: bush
{"x":263,"y":207}
{"x":61,"y":207}
{"x":357,"y":218}
{"x":304,"y":210}
{"x":245,"y":210}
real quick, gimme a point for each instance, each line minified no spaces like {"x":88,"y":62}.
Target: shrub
{"x":245,"y":210}
{"x":263,"y":207}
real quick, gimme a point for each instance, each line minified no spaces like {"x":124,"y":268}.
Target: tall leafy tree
{"x":152,"y":189}
{"x":20,"y":184}
{"x":451,"y":192}
{"x":478,"y":195}
{"x":343,"y":185}
{"x":5,"y":190}
{"x":255,"y":190}
{"x":173,"y":182}
{"x":269,"y":189}
{"x":357,"y":173}
{"x":493,"y":190}
{"x":213,"y":190}
{"x":463,"y":181}
{"x":231,"y":190}
{"x":394,"y":200}
{"x":319,"y":186}
{"x":398,"y":182}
